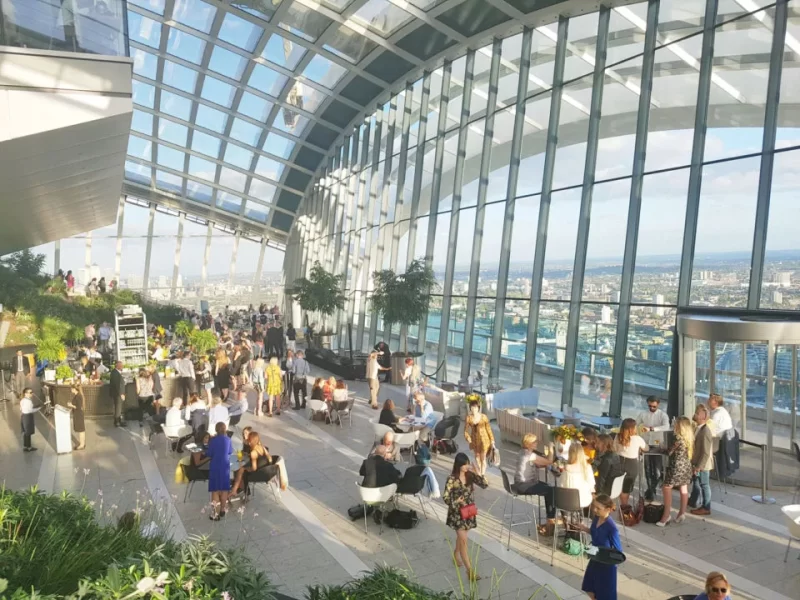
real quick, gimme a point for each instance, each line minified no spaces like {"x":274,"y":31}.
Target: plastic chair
{"x":346,"y":410}
{"x":267,"y":478}
{"x":566,"y":500}
{"x":510,"y":493}
{"x":316,"y":406}
{"x":380,"y":430}
{"x":792,"y":513}
{"x":406,"y":441}
{"x":174,"y":434}
{"x":193,"y":474}
{"x":412,"y":484}
{"x":616,"y":490}
{"x":375,"y":496}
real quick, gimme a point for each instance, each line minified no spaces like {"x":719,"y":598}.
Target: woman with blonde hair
{"x":679,"y":470}
{"x":629,"y":446}
{"x":578,"y":475}
{"x":274,"y":380}
{"x":717,"y":587}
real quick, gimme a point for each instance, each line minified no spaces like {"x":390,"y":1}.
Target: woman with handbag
{"x":479,"y":436}
{"x":600,"y":580}
{"x":679,"y":471}
{"x":461,"y":510}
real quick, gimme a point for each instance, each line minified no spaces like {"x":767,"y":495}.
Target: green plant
{"x":403,"y":298}
{"x":183,"y":329}
{"x":321,"y":292}
{"x":64,"y":372}
{"x":26,"y":264}
{"x":381,"y":582}
{"x":50,"y":349}
{"x":203,"y":340}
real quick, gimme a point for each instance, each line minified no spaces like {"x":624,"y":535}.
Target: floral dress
{"x":479,"y":435}
{"x":679,"y":470}
{"x":456,"y":495}
{"x":274,"y":380}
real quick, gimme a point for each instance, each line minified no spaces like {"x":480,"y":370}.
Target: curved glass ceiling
{"x":237,"y":103}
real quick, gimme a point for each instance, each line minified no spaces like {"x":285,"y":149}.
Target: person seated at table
{"x":316,"y":389}
{"x":174,"y":420}
{"x":578,"y":475}
{"x":588,"y":443}
{"x":199,"y":458}
{"x":377,"y":471}
{"x":245,"y":443}
{"x":218,"y":413}
{"x":629,"y":446}
{"x":388,"y":418}
{"x":87,"y":367}
{"x":258,"y":459}
{"x":526,"y":479}
{"x":607,"y":466}
{"x":195,"y":403}
{"x":339,"y":392}
{"x":387,"y":442}
{"x":717,"y":587}
{"x":236,"y":408}
{"x":327,"y":389}
{"x":424,"y":410}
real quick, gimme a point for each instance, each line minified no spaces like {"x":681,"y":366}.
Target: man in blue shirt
{"x":424,"y":410}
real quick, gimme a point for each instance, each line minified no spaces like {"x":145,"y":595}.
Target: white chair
{"x":792,"y":513}
{"x":174,"y":434}
{"x":616,"y":490}
{"x":406,"y":441}
{"x":373,"y":497}
{"x":380,"y":430}
{"x":347,"y":411}
{"x":316,"y":406}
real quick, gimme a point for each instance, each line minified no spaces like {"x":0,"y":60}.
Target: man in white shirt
{"x":186,"y":377}
{"x":720,"y":417}
{"x":104,"y":335}
{"x":373,"y":368}
{"x":27,"y":420}
{"x":654,"y":420}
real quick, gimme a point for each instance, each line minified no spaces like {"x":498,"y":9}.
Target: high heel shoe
{"x":663,"y":523}
{"x":680,"y":518}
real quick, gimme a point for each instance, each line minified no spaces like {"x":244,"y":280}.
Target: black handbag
{"x":653,"y":513}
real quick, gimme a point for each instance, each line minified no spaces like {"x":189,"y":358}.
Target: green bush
{"x":64,"y":372}
{"x":380,"y":583}
{"x":53,"y":547}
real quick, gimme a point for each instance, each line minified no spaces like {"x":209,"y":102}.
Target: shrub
{"x":380,"y":583}
{"x":64,"y":372}
{"x":202,"y":340}
{"x":183,"y":329}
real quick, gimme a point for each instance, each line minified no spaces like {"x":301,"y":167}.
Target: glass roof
{"x":238,"y":102}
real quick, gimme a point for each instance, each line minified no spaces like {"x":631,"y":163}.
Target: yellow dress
{"x":274,"y":380}
{"x":479,"y":435}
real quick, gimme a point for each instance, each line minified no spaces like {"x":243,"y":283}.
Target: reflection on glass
{"x":304,"y":21}
{"x":195,"y":14}
{"x":606,"y":245}
{"x":382,"y":16}
{"x":239,"y":32}
{"x":282,"y":52}
{"x":350,"y":45}
{"x":185,"y":46}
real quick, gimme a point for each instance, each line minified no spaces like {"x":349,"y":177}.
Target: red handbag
{"x":468,"y":511}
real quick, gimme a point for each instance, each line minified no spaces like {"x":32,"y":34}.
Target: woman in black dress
{"x":77,"y":403}
{"x":387,"y":416}
{"x":222,"y":373}
{"x":458,"y":495}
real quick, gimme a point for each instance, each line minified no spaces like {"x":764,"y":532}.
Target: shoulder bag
{"x":468,"y":511}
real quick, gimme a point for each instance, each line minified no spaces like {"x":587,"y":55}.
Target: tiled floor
{"x":307,"y":538}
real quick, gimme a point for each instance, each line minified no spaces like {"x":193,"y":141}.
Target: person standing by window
{"x":461,"y":510}
{"x":373,"y":368}
{"x":653,"y":420}
{"x":702,"y":463}
{"x":28,"y":424}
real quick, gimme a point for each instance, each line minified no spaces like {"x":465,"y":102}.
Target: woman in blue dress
{"x":600,"y":580}
{"x":219,"y":473}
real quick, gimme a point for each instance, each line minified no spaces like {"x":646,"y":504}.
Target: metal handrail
{"x":762,"y":498}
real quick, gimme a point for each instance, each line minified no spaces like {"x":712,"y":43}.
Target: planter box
{"x":449,"y":403}
{"x":513,"y":426}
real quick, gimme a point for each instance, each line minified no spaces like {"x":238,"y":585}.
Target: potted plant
{"x":64,"y":374}
{"x":52,"y":350}
{"x":403,"y":299}
{"x":203,"y":341}
{"x":322,"y":293}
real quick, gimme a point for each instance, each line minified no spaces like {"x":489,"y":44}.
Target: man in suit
{"x":377,"y":471}
{"x":21,"y":370}
{"x":117,"y":390}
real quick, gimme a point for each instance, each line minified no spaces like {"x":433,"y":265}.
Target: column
{"x":176,"y":267}
{"x":206,"y":256}
{"x":118,"y":255}
{"x":149,"y":250}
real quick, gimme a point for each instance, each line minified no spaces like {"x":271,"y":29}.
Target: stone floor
{"x":305,"y":538}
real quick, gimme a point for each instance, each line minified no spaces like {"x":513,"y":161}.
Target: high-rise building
{"x":606,"y":314}
{"x":783,"y":278}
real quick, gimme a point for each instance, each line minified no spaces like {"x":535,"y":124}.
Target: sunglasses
{"x":717,"y":590}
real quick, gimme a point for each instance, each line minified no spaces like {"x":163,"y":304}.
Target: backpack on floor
{"x":401,"y":519}
{"x":445,"y":447}
{"x":357,"y":512}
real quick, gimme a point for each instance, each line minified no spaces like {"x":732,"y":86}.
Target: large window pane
{"x":551,"y":350}
{"x":562,"y":237}
{"x":606,"y":246}
{"x":523,"y":247}
{"x":594,"y":360}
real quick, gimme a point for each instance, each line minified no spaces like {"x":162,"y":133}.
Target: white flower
{"x":162,"y":578}
{"x":240,"y":510}
{"x":146,"y":585}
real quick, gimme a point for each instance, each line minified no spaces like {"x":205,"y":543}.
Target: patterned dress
{"x":479,"y":435}
{"x":274,"y":380}
{"x":456,"y":495}
{"x":679,"y":470}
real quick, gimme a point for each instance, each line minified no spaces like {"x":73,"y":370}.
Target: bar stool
{"x":513,"y":495}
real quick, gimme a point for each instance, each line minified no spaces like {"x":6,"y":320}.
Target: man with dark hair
{"x":653,"y":420}
{"x":117,"y":390}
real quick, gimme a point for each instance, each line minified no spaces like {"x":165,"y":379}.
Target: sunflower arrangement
{"x":567,"y":432}
{"x":474,"y":398}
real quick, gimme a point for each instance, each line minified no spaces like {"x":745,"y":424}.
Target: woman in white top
{"x":217,"y":414}
{"x":578,"y":475}
{"x":145,"y":394}
{"x":195,"y":403}
{"x":629,"y":446}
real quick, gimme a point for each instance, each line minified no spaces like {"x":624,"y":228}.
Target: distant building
{"x":606,"y":315}
{"x":615,"y":296}
{"x":777,"y":298}
{"x":783,"y":278}
{"x":658,"y":310}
